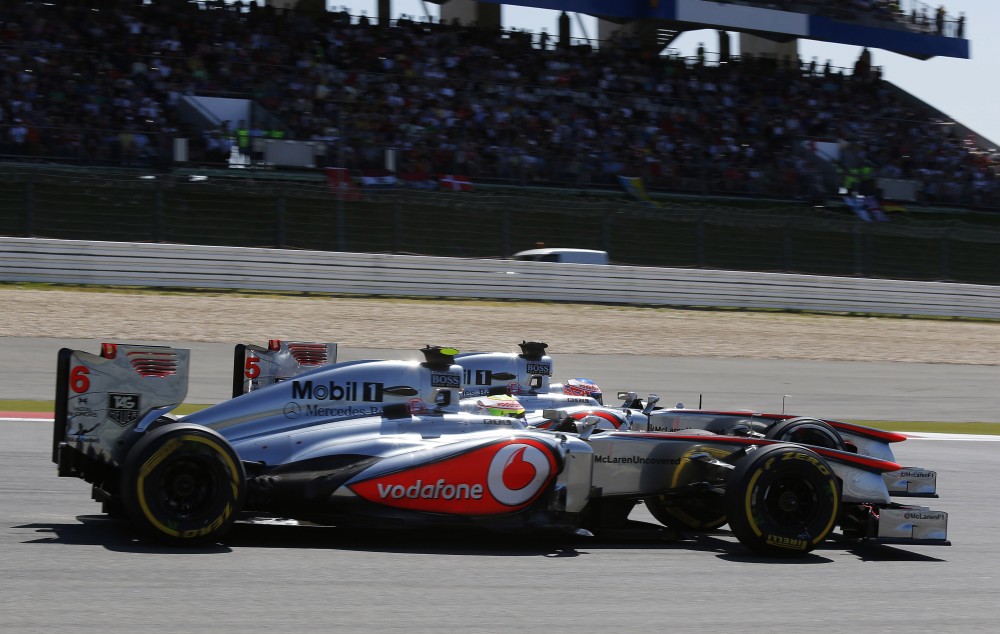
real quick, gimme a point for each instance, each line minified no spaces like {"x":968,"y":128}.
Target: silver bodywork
{"x":389,"y":438}
{"x":528,"y":376}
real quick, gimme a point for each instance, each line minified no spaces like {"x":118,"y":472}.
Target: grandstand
{"x":171,"y":85}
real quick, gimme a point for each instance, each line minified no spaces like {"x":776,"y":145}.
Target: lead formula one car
{"x":383,"y":443}
{"x":527,"y":376}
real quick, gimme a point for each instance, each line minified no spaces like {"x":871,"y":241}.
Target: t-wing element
{"x":438,"y":358}
{"x":533,"y":350}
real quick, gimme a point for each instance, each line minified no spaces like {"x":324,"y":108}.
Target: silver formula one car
{"x":547,"y":405}
{"x":383,"y":443}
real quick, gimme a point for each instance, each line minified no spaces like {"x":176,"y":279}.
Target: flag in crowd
{"x":418,"y":180}
{"x":342,"y":181}
{"x":339,"y":180}
{"x":377,"y":178}
{"x":635,"y":188}
{"x":456,"y":182}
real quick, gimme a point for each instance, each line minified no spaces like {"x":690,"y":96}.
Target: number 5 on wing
{"x":251,"y":368}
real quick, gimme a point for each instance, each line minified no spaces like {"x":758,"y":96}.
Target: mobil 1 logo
{"x":333,"y":391}
{"x":487,"y":377}
{"x":123,"y":408}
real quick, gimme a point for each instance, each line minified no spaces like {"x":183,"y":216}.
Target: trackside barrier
{"x":191,"y":266}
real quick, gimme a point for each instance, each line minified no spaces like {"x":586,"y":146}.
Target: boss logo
{"x":544,"y":369}
{"x":439,"y":379}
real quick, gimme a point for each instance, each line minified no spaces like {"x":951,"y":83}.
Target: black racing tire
{"x":807,"y":431}
{"x":782,"y":500}
{"x":183,"y":484}
{"x":698,"y":513}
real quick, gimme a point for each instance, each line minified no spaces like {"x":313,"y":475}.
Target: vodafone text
{"x":439,"y":490}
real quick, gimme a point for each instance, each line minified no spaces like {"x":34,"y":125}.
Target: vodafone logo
{"x":498,"y":478}
{"x":517,"y":473}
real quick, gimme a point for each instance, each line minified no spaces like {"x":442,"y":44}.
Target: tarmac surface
{"x":832,"y":389}
{"x":65,"y":567}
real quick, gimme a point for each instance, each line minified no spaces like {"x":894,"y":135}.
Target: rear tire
{"x":183,"y":484}
{"x":782,"y":501}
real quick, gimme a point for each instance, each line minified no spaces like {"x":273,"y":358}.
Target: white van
{"x":565,"y":256}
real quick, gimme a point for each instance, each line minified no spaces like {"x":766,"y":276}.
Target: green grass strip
{"x":49,"y":406}
{"x":988,"y":429}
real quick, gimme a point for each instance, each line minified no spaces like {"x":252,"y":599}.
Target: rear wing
{"x":100,"y":399}
{"x":255,"y":367}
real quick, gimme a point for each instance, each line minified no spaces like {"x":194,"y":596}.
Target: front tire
{"x":691,"y":507}
{"x":782,"y":500}
{"x":183,"y":484}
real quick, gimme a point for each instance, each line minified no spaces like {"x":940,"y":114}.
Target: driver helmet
{"x":583,"y":387}
{"x":501,"y":405}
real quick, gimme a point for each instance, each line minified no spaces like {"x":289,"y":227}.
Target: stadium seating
{"x":99,"y":83}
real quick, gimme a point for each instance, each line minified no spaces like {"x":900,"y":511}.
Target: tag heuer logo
{"x":123,"y":408}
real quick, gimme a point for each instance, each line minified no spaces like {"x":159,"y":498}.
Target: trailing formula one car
{"x":383,"y":443}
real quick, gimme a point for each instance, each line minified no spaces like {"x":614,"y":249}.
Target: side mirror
{"x":630,"y":400}
{"x":650,"y":402}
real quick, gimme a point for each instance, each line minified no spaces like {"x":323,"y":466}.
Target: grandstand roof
{"x":797,"y":21}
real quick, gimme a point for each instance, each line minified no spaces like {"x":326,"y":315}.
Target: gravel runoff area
{"x":481,"y":325}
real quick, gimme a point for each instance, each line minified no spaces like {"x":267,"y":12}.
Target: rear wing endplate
{"x":255,"y":367}
{"x":99,"y":398}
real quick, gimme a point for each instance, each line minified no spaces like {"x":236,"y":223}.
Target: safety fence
{"x":191,"y":266}
{"x":274,"y":210}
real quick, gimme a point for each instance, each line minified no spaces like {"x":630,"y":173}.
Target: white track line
{"x":913,"y":435}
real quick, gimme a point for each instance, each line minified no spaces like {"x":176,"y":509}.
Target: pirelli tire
{"x":183,"y":484}
{"x":782,"y":500}
{"x":807,"y":431}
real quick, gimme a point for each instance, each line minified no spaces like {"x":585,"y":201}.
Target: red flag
{"x":455,"y":182}
{"x":339,"y":180}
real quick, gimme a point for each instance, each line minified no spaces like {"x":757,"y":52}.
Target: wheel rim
{"x":790,"y":502}
{"x":188,"y":487}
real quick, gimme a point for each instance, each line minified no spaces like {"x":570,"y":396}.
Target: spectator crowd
{"x":100,"y":83}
